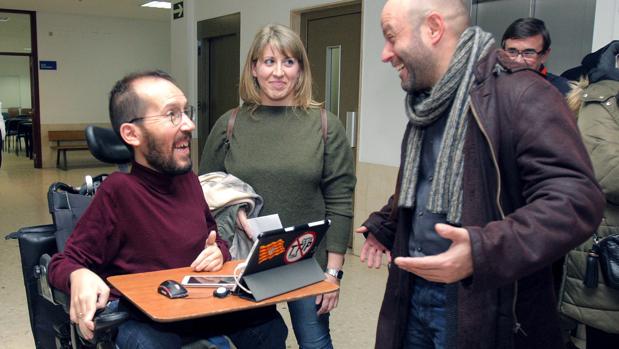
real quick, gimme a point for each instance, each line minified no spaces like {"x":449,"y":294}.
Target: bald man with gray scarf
{"x":494,"y":185}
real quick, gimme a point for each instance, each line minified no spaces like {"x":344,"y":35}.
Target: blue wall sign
{"x":47,"y":65}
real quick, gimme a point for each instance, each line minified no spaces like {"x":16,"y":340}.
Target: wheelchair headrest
{"x":105,"y":145}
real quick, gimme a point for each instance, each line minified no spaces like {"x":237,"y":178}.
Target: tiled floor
{"x":23,"y":203}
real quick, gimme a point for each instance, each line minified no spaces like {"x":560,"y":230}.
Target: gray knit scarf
{"x":423,"y":109}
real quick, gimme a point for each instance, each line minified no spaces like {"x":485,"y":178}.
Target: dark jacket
{"x":529,"y":197}
{"x":562,"y":84}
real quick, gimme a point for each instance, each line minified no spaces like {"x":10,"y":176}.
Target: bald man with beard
{"x":494,"y":185}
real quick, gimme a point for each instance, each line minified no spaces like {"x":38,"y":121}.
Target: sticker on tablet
{"x":270,"y":251}
{"x":300,"y":247}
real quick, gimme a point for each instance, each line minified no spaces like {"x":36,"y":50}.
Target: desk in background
{"x":141,"y":290}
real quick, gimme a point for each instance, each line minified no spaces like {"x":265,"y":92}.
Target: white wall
{"x":93,"y":52}
{"x":184,"y":58}
{"x":606,"y":25}
{"x":381,"y":118}
{"x":382,"y":99}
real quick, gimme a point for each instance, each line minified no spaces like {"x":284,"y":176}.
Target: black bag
{"x":609,"y":260}
{"x":604,"y":251}
{"x":67,"y":204}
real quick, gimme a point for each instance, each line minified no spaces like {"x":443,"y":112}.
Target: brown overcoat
{"x":529,"y":197}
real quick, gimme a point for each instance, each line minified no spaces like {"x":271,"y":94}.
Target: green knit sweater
{"x":279,"y":151}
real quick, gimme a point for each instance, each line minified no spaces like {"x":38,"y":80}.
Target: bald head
{"x":421,"y":37}
{"x":454,"y":12}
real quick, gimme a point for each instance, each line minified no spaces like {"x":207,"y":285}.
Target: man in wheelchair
{"x":153,"y":218}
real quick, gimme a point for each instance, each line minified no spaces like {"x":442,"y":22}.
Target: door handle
{"x":351,"y":128}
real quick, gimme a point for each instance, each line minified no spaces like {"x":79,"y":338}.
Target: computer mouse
{"x":172,"y":289}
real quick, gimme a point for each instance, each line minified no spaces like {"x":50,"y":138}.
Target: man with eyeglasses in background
{"x":527,"y":41}
{"x":153,"y":218}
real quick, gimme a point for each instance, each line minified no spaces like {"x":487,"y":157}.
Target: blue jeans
{"x":139,"y":334}
{"x":311,"y":330}
{"x":426,"y":318}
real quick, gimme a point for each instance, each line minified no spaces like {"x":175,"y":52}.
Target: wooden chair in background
{"x":13,"y":112}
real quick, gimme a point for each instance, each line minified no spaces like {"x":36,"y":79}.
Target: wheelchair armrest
{"x":41,"y":245}
{"x":39,"y":235}
{"x":45,"y":290}
{"x":106,"y":324}
{"x":36,"y":229}
{"x":106,"y":321}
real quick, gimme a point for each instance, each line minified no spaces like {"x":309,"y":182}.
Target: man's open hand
{"x":450,"y":266}
{"x":372,"y":250}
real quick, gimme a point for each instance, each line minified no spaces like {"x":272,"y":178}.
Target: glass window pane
{"x":332,"y":88}
{"x":15,"y":32}
{"x":15,"y":82}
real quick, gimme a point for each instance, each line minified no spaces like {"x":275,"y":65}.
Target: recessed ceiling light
{"x":4,"y":19}
{"x":158,"y":4}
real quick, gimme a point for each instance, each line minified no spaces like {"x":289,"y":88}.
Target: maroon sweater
{"x":138,"y":222}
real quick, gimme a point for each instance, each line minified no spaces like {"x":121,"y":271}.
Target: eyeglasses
{"x":526,"y":54}
{"x":175,"y":115}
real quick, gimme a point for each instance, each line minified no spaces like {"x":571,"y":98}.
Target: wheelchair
{"x":48,"y":307}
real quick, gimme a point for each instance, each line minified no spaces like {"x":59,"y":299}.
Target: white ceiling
{"x":114,"y":8}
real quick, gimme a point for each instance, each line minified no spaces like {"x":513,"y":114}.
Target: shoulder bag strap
{"x":230,"y":126}
{"x":324,"y":124}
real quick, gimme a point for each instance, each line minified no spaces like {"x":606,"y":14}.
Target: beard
{"x":419,"y":63}
{"x":162,"y":160}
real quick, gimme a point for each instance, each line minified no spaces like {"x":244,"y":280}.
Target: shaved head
{"x":454,"y":12}
{"x":421,"y":37}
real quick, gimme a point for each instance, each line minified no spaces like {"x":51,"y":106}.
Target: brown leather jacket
{"x":529,"y":197}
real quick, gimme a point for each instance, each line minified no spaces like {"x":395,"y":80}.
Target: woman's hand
{"x":328,"y":301}
{"x":241,"y":222}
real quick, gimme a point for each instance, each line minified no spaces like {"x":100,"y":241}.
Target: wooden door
{"x":332,"y":38}
{"x":218,"y":71}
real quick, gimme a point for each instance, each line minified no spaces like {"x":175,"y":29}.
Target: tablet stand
{"x":275,"y":281}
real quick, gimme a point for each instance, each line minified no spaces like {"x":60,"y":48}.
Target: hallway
{"x":23,"y":203}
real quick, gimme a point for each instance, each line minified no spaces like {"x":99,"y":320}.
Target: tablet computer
{"x":282,"y":260}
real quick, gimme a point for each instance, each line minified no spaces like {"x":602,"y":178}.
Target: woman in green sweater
{"x":279,"y":147}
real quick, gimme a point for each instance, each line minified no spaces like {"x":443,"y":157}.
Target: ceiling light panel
{"x":158,"y":4}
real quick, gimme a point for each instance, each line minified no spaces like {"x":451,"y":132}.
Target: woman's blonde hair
{"x":574,"y":96}
{"x":286,"y":41}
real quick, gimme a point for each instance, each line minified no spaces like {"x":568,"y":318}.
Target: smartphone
{"x":226,"y":281}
